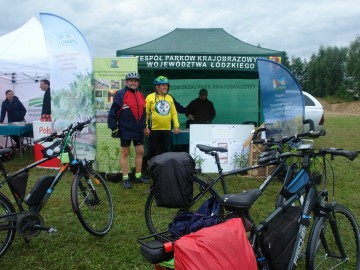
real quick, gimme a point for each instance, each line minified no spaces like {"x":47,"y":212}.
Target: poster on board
{"x":232,"y":137}
{"x":109,"y":77}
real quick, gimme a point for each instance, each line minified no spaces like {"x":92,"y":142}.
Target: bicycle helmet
{"x":132,"y":75}
{"x":161,"y":80}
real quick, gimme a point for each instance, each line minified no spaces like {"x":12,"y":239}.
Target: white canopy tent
{"x":23,"y":63}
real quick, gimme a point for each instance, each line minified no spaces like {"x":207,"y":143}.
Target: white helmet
{"x":132,"y":75}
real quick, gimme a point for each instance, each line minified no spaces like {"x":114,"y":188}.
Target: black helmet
{"x":132,"y":75}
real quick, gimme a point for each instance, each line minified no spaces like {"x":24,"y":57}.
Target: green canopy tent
{"x":209,"y":58}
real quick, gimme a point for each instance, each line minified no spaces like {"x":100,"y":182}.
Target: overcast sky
{"x":297,"y":27}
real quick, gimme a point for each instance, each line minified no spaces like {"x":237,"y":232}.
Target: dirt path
{"x":346,"y":108}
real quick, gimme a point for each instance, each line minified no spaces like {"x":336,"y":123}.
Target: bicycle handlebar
{"x":49,"y":138}
{"x":349,"y":154}
{"x":294,"y":138}
{"x":78,"y":127}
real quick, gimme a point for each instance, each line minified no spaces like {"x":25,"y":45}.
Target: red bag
{"x":223,"y":246}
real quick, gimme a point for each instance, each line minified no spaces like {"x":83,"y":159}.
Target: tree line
{"x":331,"y":71}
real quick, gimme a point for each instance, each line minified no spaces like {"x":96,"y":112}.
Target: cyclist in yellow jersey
{"x":160,"y":112}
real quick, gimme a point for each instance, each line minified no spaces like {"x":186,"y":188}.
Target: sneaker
{"x":126,"y":184}
{"x":142,"y":179}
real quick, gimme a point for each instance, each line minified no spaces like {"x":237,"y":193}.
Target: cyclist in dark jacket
{"x":126,"y":119}
{"x":15,"y":112}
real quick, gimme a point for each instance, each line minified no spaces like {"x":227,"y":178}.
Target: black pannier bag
{"x":172,"y":175}
{"x":279,"y":238}
{"x":38,"y":191}
{"x":18,"y":184}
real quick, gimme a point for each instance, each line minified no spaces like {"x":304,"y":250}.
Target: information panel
{"x":235,"y":138}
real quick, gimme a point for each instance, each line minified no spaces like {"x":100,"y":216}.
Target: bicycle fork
{"x":304,"y":222}
{"x":335,"y":231}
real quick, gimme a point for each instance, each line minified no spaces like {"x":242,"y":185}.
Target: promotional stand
{"x":43,"y":129}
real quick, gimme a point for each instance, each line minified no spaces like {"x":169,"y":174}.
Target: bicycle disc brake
{"x":27,"y":223}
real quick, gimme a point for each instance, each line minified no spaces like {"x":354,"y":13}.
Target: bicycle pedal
{"x":52,"y":230}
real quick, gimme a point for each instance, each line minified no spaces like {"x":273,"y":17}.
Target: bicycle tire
{"x":7,"y":234}
{"x":92,"y":202}
{"x":158,"y":218}
{"x":321,"y":235}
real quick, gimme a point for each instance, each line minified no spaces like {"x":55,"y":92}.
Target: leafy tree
{"x":299,"y":68}
{"x":353,"y":67}
{"x":326,"y":71}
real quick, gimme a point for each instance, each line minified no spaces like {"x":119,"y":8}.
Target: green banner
{"x":235,"y":101}
{"x":234,"y":62}
{"x":109,"y":77}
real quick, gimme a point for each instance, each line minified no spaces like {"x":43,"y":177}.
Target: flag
{"x":71,"y":68}
{"x":282,"y":100}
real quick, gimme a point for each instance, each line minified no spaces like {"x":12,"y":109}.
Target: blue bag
{"x":205,"y":216}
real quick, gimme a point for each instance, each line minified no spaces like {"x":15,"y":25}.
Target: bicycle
{"x":158,"y":218}
{"x":334,"y":236}
{"x":90,"y":195}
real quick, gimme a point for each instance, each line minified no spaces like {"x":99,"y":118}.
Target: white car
{"x":314,"y":111}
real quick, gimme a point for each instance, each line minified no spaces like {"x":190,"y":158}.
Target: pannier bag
{"x":279,"y":238}
{"x":172,"y":175}
{"x":38,"y":191}
{"x":6,"y":156}
{"x":18,"y":184}
{"x":223,"y":246}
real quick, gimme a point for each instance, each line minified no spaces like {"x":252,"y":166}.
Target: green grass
{"x":73,"y":248}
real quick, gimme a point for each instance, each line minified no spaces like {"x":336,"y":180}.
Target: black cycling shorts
{"x":127,"y":143}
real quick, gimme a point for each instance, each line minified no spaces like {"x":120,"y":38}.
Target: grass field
{"x":73,"y":248}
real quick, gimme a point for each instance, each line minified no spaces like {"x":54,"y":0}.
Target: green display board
{"x":236,"y":101}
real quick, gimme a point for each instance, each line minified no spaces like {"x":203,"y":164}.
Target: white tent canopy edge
{"x":23,"y":63}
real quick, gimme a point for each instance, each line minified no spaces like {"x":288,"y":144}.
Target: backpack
{"x":279,"y":238}
{"x":205,"y":216}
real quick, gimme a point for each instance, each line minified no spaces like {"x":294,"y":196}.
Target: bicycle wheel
{"x":158,"y":218}
{"x":92,"y":202}
{"x":7,"y":228}
{"x":323,"y":249}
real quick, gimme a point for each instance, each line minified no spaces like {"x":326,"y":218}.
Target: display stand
{"x":43,"y":129}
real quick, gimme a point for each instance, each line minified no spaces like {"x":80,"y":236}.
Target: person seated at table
{"x":15,"y":112}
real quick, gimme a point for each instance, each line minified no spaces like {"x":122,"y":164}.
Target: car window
{"x":308,"y":101}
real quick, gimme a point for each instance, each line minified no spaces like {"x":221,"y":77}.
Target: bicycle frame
{"x":221,"y":175}
{"x":313,"y":204}
{"x":60,"y":172}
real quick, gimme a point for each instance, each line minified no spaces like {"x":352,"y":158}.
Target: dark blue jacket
{"x":127,"y":113}
{"x":46,"y":107}
{"x":15,"y":110}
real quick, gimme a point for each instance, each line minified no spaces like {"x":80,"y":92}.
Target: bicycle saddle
{"x":243,"y":200}
{"x":208,"y":149}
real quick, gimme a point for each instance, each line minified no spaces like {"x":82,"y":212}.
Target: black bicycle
{"x":158,"y":218}
{"x":90,"y":196}
{"x":334,"y":236}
